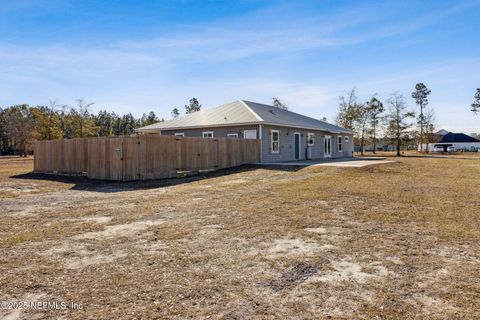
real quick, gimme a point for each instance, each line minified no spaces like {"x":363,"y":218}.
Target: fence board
{"x":141,"y":157}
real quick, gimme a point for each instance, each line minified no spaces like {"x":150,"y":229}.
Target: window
{"x":250,"y":134}
{"x":346,"y":138}
{"x":275,"y":146}
{"x":208,"y":134}
{"x":179,"y":134}
{"x":232,"y":135}
{"x":340,"y":146}
{"x":311,"y":139}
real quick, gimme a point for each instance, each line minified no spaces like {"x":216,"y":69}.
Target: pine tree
{"x":193,"y":106}
{"x":421,"y":99}
{"x":175,"y":113}
{"x":376,"y":108}
{"x":476,"y":102}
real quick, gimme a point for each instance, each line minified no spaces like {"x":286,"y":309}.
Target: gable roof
{"x":243,"y":112}
{"x":457,"y":137}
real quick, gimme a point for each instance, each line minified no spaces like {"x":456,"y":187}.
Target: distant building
{"x":459,"y":141}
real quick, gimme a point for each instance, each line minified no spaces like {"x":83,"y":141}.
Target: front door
{"x":328,"y":146}
{"x":297,"y":145}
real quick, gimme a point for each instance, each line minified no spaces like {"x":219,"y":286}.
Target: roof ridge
{"x":250,"y":109}
{"x":302,"y":115}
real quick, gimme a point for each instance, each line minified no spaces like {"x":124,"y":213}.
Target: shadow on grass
{"x":84,"y":183}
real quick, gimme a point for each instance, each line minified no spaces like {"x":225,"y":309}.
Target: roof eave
{"x":220,"y":125}
{"x":243,"y":124}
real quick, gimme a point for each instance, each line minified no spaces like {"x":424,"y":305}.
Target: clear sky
{"x":137,"y":56}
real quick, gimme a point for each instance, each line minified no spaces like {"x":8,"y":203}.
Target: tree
{"x":396,"y":118}
{"x":376,"y":108}
{"x":429,"y":125}
{"x":175,"y":113}
{"x":421,"y":99}
{"x":65,"y":122}
{"x":83,"y":123}
{"x":476,"y":102}
{"x":279,"y":104}
{"x":149,"y":119}
{"x":193,"y":106}
{"x":47,"y":122}
{"x":105,"y":123}
{"x":363,"y":115}
{"x":129,"y":124}
{"x":347,"y":111}
{"x":19,"y":127}
{"x":4,"y":142}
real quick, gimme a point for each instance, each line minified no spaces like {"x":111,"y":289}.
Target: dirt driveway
{"x":400,"y":240}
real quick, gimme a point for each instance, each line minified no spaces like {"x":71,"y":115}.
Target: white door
{"x":249,"y":134}
{"x":327,"y":147}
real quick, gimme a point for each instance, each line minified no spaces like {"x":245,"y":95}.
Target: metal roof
{"x":243,"y":112}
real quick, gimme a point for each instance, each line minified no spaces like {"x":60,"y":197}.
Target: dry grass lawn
{"x":392,"y":241}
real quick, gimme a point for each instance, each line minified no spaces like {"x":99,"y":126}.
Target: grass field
{"x":392,"y":241}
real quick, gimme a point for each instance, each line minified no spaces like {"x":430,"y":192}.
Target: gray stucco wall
{"x":287,"y":143}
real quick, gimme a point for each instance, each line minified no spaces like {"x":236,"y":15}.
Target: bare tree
{"x":362,"y":123}
{"x":397,"y":119}
{"x":85,"y":125}
{"x":347,"y":110}
{"x":429,"y":127}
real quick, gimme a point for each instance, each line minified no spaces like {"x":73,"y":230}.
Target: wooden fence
{"x":141,"y":157}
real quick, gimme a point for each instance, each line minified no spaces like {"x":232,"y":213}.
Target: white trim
{"x":339,"y":144}
{"x":271,"y":141}
{"x":308,"y":139}
{"x":260,"y":134}
{"x":299,"y":145}
{"x":231,"y":135}
{"x":207,"y":132}
{"x":179,"y":134}
{"x":250,"y":109}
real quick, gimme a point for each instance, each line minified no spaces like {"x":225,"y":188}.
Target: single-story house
{"x":284,"y":135}
{"x":459,"y":141}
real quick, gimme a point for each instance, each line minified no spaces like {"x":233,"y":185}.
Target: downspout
{"x":261,"y":141}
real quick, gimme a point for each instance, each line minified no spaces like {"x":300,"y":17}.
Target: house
{"x":459,"y":141}
{"x":284,"y":135}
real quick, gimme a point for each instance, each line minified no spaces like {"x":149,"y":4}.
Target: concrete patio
{"x":343,"y":162}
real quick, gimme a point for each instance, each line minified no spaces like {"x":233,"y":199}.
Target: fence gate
{"x":116,"y":159}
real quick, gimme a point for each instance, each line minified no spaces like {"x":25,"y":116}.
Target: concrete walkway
{"x":348,"y":162}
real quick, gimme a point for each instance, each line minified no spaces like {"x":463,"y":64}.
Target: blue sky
{"x":137,"y":56}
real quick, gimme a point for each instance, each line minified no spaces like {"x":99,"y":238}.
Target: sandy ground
{"x":242,"y":244}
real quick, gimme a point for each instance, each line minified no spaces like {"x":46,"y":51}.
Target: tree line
{"x":400,"y":126}
{"x":21,"y":124}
